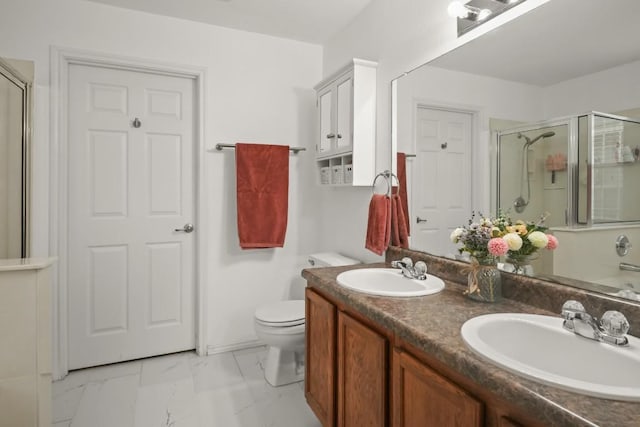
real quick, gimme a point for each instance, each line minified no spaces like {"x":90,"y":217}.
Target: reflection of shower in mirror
{"x":520,"y":203}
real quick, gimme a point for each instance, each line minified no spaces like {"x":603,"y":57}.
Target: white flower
{"x":486,"y":222}
{"x":455,"y":234}
{"x":513,"y":240}
{"x":538,"y":239}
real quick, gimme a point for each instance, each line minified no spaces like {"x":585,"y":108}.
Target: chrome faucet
{"x":629,"y":267}
{"x":410,"y":271}
{"x":612,"y":327}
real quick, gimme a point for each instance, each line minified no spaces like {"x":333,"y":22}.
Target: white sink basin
{"x":388,"y":282}
{"x":539,"y":348}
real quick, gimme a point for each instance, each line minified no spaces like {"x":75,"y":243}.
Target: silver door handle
{"x":419,"y":220}
{"x":188,"y":228}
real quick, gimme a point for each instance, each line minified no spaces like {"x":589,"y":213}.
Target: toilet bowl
{"x":281,"y":325}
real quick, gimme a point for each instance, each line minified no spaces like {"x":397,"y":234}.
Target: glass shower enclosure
{"x":580,"y":171}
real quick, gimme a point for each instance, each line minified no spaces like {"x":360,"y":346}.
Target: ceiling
{"x":311,"y":21}
{"x":557,"y":41}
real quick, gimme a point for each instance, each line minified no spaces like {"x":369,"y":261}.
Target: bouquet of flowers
{"x":488,"y":238}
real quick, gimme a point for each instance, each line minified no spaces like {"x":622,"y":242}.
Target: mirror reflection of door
{"x":13,"y":159}
{"x":441,"y":178}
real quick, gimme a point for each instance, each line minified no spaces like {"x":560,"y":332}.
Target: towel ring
{"x":388,"y":178}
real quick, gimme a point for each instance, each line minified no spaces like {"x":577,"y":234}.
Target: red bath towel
{"x":379,"y":224}
{"x":402,"y":180}
{"x":399,"y":232}
{"x":262,"y":185}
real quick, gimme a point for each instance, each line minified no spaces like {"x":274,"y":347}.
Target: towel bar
{"x":295,"y":150}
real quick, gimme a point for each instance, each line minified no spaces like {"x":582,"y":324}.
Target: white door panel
{"x":441,"y":179}
{"x":131,"y":276}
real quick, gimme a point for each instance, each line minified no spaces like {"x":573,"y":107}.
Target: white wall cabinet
{"x":25,"y":334}
{"x":346,"y":103}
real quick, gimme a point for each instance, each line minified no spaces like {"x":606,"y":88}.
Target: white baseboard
{"x":241,"y":345}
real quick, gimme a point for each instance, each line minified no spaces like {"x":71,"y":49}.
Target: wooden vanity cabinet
{"x":320,"y":364}
{"x":358,"y":374}
{"x":422,"y":397}
{"x":362,"y":374}
{"x":346,"y":367}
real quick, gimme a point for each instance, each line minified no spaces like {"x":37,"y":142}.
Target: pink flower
{"x":497,"y":246}
{"x":553,"y":242}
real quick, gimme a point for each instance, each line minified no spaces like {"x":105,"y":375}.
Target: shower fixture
{"x":520,"y":203}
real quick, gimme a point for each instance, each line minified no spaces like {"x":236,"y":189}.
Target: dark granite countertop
{"x":432,"y":324}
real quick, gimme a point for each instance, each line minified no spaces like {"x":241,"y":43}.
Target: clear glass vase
{"x":484,"y":282}
{"x":520,"y":264}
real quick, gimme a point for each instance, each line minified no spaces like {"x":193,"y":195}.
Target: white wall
{"x":614,"y":89}
{"x":258,"y":88}
{"x":590,"y":254}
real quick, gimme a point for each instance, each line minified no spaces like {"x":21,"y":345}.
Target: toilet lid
{"x":282,"y":312}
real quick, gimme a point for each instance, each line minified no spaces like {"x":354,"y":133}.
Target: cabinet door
{"x":421,"y":397}
{"x":327,"y":135}
{"x":344,"y":116}
{"x":362,"y":375}
{"x":320,"y":365}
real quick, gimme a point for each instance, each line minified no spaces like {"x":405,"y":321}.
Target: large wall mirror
{"x":16,"y":77}
{"x":496,"y":123}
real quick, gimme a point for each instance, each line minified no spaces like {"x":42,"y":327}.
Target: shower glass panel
{"x":13,"y":164}
{"x":533,"y":178}
{"x":608,"y":169}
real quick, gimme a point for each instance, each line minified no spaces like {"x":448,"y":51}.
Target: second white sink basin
{"x":539,"y":348}
{"x":388,"y":282}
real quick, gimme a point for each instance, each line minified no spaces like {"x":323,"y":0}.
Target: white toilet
{"x":281,"y":326}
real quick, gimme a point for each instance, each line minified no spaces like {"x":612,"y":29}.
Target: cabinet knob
{"x":331,"y":136}
{"x":339,"y":136}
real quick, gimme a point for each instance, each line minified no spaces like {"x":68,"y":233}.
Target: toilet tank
{"x":330,"y":259}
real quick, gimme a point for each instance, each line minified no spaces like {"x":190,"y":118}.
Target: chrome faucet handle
{"x":402,"y":263}
{"x":571,"y":308}
{"x":420,"y":270}
{"x":614,"y":327}
{"x":420,"y":267}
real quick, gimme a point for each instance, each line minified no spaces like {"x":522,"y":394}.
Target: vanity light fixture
{"x":465,"y":11}
{"x":472,"y":13}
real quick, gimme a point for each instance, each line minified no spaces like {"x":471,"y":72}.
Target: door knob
{"x":419,"y":220}
{"x":188,"y":228}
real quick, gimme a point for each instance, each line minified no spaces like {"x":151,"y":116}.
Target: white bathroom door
{"x":131,"y":290}
{"x":441,"y":178}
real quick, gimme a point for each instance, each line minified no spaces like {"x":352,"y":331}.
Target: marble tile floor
{"x":180,"y":390}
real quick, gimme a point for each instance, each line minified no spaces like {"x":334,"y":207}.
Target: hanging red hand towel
{"x":379,"y":224}
{"x":262,"y":186}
